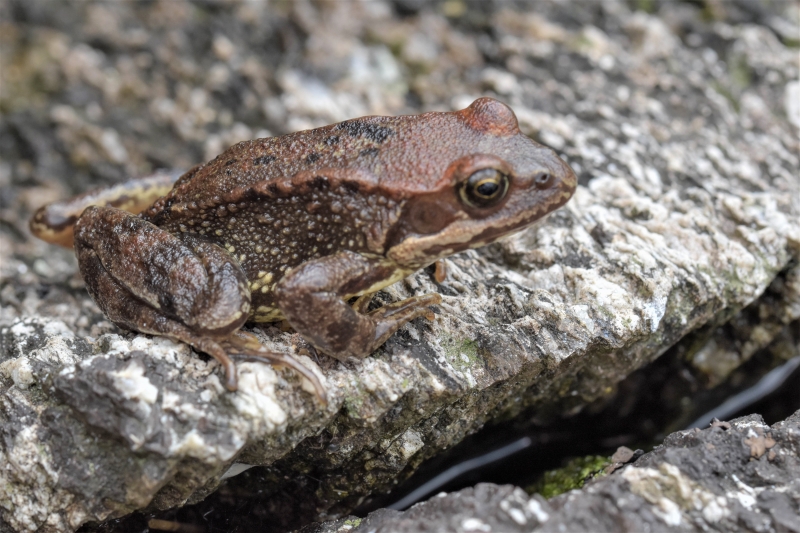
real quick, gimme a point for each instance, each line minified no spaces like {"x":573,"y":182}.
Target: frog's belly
{"x":265,"y":313}
{"x":262,"y":301}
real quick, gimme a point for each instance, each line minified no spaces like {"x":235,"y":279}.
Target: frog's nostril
{"x":543,"y":179}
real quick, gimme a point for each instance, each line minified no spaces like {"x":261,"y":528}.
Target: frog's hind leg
{"x":148,"y":280}
{"x":243,"y":346}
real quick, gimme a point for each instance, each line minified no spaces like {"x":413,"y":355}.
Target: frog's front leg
{"x":313,"y":298}
{"x":180,"y":286}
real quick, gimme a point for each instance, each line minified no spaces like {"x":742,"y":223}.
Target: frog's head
{"x":500,"y":182}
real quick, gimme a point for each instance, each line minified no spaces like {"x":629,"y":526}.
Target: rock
{"x":743,"y":477}
{"x":688,"y":209}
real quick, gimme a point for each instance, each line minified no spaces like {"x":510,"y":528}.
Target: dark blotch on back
{"x":368,"y":152}
{"x":351,"y":186}
{"x":373,"y":132}
{"x":229,"y":162}
{"x":332,"y":140}
{"x":263,"y":160}
{"x":311,"y":158}
{"x":320,"y":182}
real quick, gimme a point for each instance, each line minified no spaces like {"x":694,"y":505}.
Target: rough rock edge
{"x":745,"y":477}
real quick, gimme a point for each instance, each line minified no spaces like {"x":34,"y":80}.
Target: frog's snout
{"x":556,"y":178}
{"x":568,"y":181}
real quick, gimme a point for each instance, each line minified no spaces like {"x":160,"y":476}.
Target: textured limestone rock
{"x":737,"y":476}
{"x":688,"y":209}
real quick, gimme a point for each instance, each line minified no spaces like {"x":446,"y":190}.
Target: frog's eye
{"x":484,"y":188}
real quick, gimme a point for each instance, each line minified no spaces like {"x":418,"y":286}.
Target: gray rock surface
{"x":684,"y":135}
{"x":737,"y":476}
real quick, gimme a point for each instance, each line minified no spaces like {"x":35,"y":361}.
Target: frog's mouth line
{"x":418,"y":251}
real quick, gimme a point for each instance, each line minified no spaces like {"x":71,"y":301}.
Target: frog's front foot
{"x":180,"y":286}
{"x":391,"y":317}
{"x":313,"y":297}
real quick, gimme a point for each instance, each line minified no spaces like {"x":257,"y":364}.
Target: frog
{"x":305,"y":228}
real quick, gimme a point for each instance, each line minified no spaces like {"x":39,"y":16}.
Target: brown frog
{"x":293,"y":227}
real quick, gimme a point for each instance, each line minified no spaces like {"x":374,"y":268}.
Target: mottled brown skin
{"x":293,"y":227}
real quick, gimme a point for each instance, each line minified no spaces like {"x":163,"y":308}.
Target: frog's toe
{"x":408,"y":309}
{"x":392,"y":317}
{"x":361,"y":305}
{"x":242,"y":346}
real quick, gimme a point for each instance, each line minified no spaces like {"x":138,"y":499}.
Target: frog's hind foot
{"x":245,"y":347}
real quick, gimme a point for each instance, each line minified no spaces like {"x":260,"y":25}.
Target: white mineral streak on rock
{"x":549,"y":279}
{"x":514,"y":506}
{"x":184,"y":411}
{"x":674,"y":493}
{"x":751,"y":424}
{"x":536,"y":509}
{"x":134,"y":385}
{"x":22,"y":329}
{"x":57,"y":327}
{"x":581,"y":312}
{"x":474,"y":524}
{"x":373,"y":372}
{"x":19,"y":370}
{"x":407,"y":445}
{"x":57,"y":350}
{"x":255,"y":400}
{"x":193,"y":444}
{"x":746,"y":495}
{"x":668,"y":511}
{"x":792,"y":102}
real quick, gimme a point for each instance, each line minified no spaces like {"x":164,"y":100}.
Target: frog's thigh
{"x":127,"y":311}
{"x":311,"y":298}
{"x":147,"y":279}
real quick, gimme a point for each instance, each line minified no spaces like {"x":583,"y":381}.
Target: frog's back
{"x":401,"y":155}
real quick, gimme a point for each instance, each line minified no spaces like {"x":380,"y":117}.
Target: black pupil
{"x":488,"y":188}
